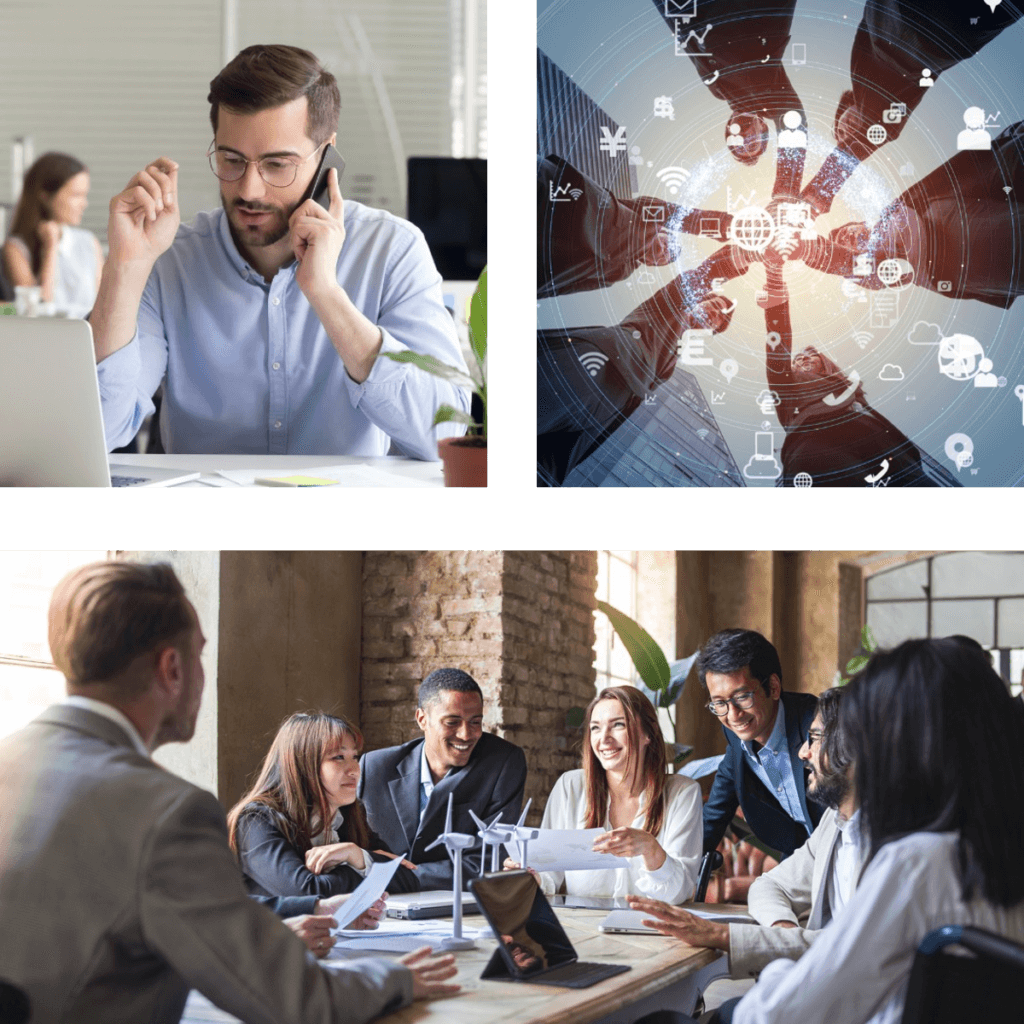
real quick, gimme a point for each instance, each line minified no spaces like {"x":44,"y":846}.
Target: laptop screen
{"x":529,"y":936}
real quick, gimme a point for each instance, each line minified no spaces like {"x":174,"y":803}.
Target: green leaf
{"x":648,"y":658}
{"x":434,"y":366}
{"x":868,"y":641}
{"x":856,"y":663}
{"x":478,"y":320}
{"x":446,"y":414}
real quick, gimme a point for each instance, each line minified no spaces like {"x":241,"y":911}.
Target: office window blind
{"x":115,"y":84}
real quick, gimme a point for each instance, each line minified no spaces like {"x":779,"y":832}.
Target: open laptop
{"x":532,"y":944}
{"x":52,"y":432}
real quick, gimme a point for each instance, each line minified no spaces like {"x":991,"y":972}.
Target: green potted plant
{"x":464,"y":458}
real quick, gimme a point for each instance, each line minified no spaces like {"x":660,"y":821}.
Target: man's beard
{"x":258,"y":236}
{"x":830,"y":789}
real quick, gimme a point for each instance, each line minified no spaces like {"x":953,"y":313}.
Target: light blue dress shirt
{"x":774,"y":767}
{"x":248,"y":368}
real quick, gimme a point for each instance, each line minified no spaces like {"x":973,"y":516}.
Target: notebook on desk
{"x":532,"y":944}
{"x":53,"y":425}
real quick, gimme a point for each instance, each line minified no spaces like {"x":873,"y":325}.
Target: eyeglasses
{"x":814,"y":736}
{"x":742,"y":700}
{"x":276,"y":171}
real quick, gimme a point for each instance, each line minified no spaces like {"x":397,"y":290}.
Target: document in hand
{"x":369,"y":890}
{"x":566,"y":849}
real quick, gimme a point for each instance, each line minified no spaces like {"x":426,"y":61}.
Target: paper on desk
{"x":369,"y":890}
{"x":566,"y":849}
{"x":350,"y":476}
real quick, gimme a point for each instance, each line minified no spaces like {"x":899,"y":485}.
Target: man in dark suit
{"x":765,"y":727}
{"x":405,"y":788}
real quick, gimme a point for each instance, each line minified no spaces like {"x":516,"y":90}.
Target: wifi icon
{"x":703,"y":432}
{"x":575,"y":192}
{"x":673,"y":178}
{"x":863,"y":338}
{"x":592,"y":362}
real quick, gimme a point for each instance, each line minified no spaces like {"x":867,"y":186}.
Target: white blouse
{"x":857,"y":970}
{"x":681,"y":837}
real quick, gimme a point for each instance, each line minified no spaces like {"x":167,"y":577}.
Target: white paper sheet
{"x":565,"y":849}
{"x":369,"y":890}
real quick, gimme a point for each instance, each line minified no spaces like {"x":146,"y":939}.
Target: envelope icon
{"x":653,"y":213}
{"x":680,"y":9}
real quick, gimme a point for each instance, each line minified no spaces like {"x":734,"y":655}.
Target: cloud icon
{"x":891,"y":372}
{"x":923,"y":333}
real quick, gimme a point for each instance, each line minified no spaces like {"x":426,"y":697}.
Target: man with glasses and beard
{"x":765,"y":729}
{"x":795,"y":900}
{"x":264,"y":320}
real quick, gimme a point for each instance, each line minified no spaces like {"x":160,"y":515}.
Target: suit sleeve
{"x":288,"y":906}
{"x":721,"y":803}
{"x":195,"y":915}
{"x":270,"y":860}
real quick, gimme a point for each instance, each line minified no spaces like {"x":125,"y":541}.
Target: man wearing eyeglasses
{"x":264,"y":320}
{"x":765,"y":727}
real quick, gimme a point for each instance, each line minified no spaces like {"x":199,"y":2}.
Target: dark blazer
{"x":273,"y":866}
{"x":736,"y":785}
{"x":389,"y":787}
{"x":288,"y":906}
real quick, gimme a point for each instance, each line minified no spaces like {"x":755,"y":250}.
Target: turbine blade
{"x":478,"y":820}
{"x":526,"y":810}
{"x":448,"y":818}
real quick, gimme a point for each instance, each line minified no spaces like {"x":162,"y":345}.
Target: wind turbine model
{"x":494,"y":835}
{"x":522,"y":835}
{"x":455,"y":843}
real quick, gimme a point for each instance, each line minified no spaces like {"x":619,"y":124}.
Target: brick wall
{"x":521,"y":623}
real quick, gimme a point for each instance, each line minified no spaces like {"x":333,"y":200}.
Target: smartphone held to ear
{"x":318,"y":187}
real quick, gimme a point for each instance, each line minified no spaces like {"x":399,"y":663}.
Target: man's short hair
{"x":261,"y":77}
{"x":105,"y":615}
{"x":731,"y":650}
{"x":446,"y":679}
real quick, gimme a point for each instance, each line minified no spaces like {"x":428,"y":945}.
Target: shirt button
{"x":277,"y":424}
{"x":277,"y":366}
{"x":276,"y":302}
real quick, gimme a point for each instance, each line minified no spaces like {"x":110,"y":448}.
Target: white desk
{"x":361,"y":471}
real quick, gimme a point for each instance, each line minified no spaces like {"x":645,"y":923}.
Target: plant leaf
{"x":679,"y":671}
{"x":648,"y":658}
{"x":446,"y":414}
{"x":856,"y":663}
{"x":478,"y":320}
{"x":433,"y":366}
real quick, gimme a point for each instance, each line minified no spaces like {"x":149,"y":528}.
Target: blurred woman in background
{"x":46,"y":247}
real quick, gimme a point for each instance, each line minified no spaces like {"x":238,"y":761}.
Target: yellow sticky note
{"x":295,"y":481}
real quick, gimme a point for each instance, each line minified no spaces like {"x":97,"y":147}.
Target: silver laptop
{"x":52,"y":433}
{"x":417,"y":906}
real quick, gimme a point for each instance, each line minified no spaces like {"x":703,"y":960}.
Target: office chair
{"x":711,"y":861}
{"x":14,"y":1004}
{"x":945,"y":987}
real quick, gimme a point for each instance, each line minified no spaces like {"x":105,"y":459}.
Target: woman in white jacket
{"x":651,"y":819}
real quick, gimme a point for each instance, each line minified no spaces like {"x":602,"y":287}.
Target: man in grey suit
{"x":405,"y":789}
{"x":118,"y":891}
{"x":795,"y":900}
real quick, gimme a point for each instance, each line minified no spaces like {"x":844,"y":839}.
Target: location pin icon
{"x":993,"y":4}
{"x":774,"y":339}
{"x":729,"y":368}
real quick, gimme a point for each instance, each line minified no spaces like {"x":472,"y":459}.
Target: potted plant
{"x":464,"y":458}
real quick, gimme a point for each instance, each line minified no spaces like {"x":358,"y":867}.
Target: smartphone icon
{"x":799,"y":53}
{"x":318,"y":188}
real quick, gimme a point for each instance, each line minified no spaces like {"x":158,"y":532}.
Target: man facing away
{"x":118,"y":891}
{"x":265,"y":319}
{"x":765,"y":729}
{"x":406,"y":788}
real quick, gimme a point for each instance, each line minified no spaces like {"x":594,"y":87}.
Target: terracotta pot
{"x":465,"y":461}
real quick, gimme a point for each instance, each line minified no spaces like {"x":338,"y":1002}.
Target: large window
{"x":28,"y":681}
{"x":616,"y":584}
{"x":974,"y":593}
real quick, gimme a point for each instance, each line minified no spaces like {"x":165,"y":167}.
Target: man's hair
{"x":731,"y":650}
{"x":835,"y":759}
{"x":446,"y":679}
{"x":261,"y":77}
{"x":936,"y":740}
{"x":105,"y":615}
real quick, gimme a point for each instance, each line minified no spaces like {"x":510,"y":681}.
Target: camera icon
{"x":895,"y":113}
{"x":945,"y":286}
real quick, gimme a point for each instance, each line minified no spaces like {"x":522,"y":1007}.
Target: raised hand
{"x":430,"y":974}
{"x":681,"y":924}
{"x":144,"y":218}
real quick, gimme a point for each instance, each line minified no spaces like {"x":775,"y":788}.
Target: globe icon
{"x":889,"y":272}
{"x":876,"y":135}
{"x":752,"y":229}
{"x":803,"y":480}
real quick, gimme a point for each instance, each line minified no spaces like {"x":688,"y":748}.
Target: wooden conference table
{"x":665,"y":974}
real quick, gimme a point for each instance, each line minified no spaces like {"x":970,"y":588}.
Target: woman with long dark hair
{"x":300,"y":830}
{"x":653,"y":820}
{"x":46,"y":247}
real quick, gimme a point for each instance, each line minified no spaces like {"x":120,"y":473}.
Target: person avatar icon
{"x":926,"y":78}
{"x":974,"y":136}
{"x":985,"y":377}
{"x":793,"y":136}
{"x":735,"y":137}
